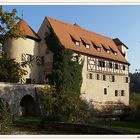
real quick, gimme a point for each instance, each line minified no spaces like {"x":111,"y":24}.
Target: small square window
{"x":116,"y":92}
{"x":104,"y":77}
{"x":110,"y":65}
{"x":42,"y":60}
{"x":87,"y":46}
{"x":122,"y":92}
{"x":105,"y":91}
{"x":108,"y":51}
{"x":98,"y":77}
{"x":123,"y":67}
{"x":126,"y":79}
{"x":89,"y":76}
{"x":28,"y":81}
{"x":112,"y":78}
{"x":77,"y":43}
{"x":115,"y":53}
{"x":116,"y":66}
{"x":98,"y":49}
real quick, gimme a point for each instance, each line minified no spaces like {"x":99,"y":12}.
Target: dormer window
{"x":85,"y":43}
{"x":97,"y":46}
{"x":77,"y":43}
{"x":115,"y":53}
{"x":113,"y":50}
{"x":75,"y":39}
{"x":87,"y":46}
{"x":106,"y":48}
{"x":108,"y":51}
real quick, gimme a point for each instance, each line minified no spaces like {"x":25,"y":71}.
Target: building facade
{"x":105,"y":71}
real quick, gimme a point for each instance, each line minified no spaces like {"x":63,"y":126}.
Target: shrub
{"x":134,"y":108}
{"x":5,"y":118}
{"x":65,"y":108}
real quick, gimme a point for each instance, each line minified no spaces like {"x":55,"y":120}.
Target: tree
{"x":10,"y":71}
{"x":135,"y":82}
{"x":5,"y":118}
{"x":8,"y":25}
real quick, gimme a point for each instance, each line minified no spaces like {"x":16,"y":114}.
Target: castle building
{"x":105,"y":71}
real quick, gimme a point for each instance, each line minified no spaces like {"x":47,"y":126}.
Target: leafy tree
{"x":135,"y":82}
{"x":8,"y":25}
{"x":10,"y":71}
{"x":5,"y":118}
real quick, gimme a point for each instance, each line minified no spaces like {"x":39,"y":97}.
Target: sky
{"x":114,"y":21}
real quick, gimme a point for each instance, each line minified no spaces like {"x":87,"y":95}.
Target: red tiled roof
{"x":28,"y":31}
{"x":64,"y":31}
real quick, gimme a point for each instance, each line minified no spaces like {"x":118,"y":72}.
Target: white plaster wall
{"x":124,"y":50}
{"x":93,"y":89}
{"x":16,"y":47}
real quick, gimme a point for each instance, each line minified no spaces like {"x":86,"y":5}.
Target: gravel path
{"x":27,"y":131}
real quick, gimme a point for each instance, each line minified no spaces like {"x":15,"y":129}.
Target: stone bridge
{"x":22,"y":98}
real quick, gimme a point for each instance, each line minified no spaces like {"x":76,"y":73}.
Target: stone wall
{"x":14,"y":93}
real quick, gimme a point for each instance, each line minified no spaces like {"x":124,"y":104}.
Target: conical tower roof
{"x":29,"y":32}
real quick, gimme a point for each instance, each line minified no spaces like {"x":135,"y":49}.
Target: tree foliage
{"x":135,"y":82}
{"x":5,"y":118}
{"x":8,"y":25}
{"x":66,"y":74}
{"x":10,"y":71}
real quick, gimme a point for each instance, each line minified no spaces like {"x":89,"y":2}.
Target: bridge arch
{"x":27,"y":106}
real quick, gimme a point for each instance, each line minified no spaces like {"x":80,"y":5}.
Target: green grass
{"x":129,"y":127}
{"x":32,"y":121}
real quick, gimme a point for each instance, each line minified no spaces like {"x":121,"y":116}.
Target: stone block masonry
{"x":21,"y":98}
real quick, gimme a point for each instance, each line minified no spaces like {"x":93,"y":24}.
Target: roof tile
{"x":64,"y":30}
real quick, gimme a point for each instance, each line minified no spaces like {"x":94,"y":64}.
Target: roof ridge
{"x":65,"y":23}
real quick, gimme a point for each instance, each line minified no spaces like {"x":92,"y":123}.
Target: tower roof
{"x":28,"y":31}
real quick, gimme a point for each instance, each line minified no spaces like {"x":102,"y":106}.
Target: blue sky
{"x":112,"y":21}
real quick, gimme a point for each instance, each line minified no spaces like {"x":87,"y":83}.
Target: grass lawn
{"x":127,"y":126}
{"x":130,"y":127}
{"x":32,"y":121}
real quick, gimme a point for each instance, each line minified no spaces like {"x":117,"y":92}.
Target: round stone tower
{"x":25,"y":49}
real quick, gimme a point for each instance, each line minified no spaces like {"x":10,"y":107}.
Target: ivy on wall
{"x":66,"y":74}
{"x":62,"y":102}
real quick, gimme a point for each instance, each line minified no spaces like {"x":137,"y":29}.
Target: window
{"x":87,"y":46}
{"x":113,"y":78}
{"x":116,"y":92}
{"x":105,"y":91}
{"x":77,"y":43}
{"x":98,"y":49}
{"x":116,"y":66}
{"x":28,"y":57}
{"x":101,"y":64}
{"x":108,"y":51}
{"x":122,"y":92}
{"x":98,"y":77}
{"x":123,"y":67}
{"x":42,"y":60}
{"x":115,"y":53}
{"x":126,"y":79}
{"x":28,"y":81}
{"x":89,"y":76}
{"x":104,"y":77}
{"x":110,"y":65}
